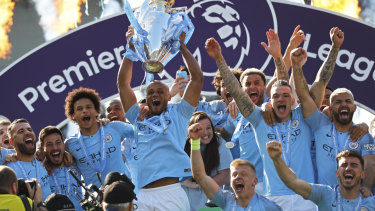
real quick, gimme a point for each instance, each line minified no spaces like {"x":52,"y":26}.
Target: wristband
{"x":195,"y":144}
{"x":40,"y":204}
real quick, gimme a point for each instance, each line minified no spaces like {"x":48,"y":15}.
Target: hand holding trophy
{"x":157,"y":31}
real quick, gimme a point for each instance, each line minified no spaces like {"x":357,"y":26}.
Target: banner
{"x":35,"y":86}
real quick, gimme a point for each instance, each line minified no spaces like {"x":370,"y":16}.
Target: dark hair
{"x":281,"y":83}
{"x":350,"y":153}
{"x":210,"y":155}
{"x":329,"y":88}
{"x":217,"y":79}
{"x":48,"y":131}
{"x":7,"y":177}
{"x":78,"y":94}
{"x":183,"y":69}
{"x":253,"y":71}
{"x":16,"y":121}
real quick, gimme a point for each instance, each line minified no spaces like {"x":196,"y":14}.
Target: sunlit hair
{"x":210,"y":155}
{"x":253,"y":71}
{"x":240,"y":161}
{"x":340,"y":91}
{"x":78,"y":94}
{"x":48,"y":131}
{"x":350,"y":153}
{"x":4,"y":122}
{"x":13,"y":124}
{"x":217,"y":79}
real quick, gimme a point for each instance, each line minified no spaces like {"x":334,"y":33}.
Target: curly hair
{"x":210,"y":155}
{"x":78,"y":94}
{"x":217,"y":79}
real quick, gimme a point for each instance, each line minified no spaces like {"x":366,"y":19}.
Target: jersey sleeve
{"x":319,"y":193}
{"x":132,"y":113}
{"x":367,"y":145}
{"x":317,"y":119}
{"x":255,"y":117}
{"x":185,"y":109}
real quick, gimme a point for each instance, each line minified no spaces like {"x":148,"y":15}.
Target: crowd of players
{"x":276,"y":146}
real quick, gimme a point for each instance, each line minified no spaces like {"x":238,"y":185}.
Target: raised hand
{"x":232,"y":109}
{"x":297,"y":38}
{"x":129,"y":33}
{"x":337,"y":36}
{"x":195,"y":131}
{"x":177,"y":86}
{"x":143,"y":112}
{"x":182,"y":38}
{"x":274,"y":149}
{"x":298,"y":57}
{"x":274,"y":46}
{"x":213,"y":48}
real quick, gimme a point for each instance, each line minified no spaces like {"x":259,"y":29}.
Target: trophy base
{"x":152,"y":66}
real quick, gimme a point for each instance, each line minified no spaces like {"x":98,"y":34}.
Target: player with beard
{"x":51,"y":140}
{"x":344,"y":196}
{"x":290,"y":129}
{"x":160,"y":136}
{"x":96,"y":148}
{"x":22,"y":138}
{"x":243,"y":180}
{"x":332,"y":136}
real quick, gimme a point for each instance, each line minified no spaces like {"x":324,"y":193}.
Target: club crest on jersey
{"x":108,"y":137}
{"x":363,"y":209}
{"x":295,"y":123}
{"x":353,"y":145}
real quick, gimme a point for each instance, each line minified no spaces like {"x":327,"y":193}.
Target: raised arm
{"x":286,"y":175}
{"x":243,"y":101}
{"x":326,"y":70}
{"x":298,"y":58}
{"x":194,"y":87}
{"x":206,"y":183}
{"x":274,"y":49}
{"x":124,"y":78}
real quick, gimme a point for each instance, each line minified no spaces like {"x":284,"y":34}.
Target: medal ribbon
{"x":24,"y":172}
{"x":67,"y":181}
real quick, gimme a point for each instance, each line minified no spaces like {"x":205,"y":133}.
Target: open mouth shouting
{"x":114,"y":118}
{"x":254,"y":96}
{"x":239,"y":187}
{"x":281,"y":108}
{"x":56,"y":156}
{"x":344,"y":113}
{"x":29,"y":142}
{"x":86,"y":119}
{"x":6,"y":142}
{"x":348,"y":177}
{"x":228,"y":97}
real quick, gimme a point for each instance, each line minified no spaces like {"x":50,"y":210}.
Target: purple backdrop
{"x":36,"y":85}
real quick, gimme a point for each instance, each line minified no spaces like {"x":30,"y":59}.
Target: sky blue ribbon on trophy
{"x":178,"y":22}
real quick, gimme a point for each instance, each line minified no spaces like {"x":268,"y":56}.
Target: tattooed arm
{"x":326,"y":70}
{"x":243,"y":101}
{"x":298,"y":58}
{"x":274,"y":49}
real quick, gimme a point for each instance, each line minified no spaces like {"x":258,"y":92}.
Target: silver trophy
{"x":158,"y":27}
